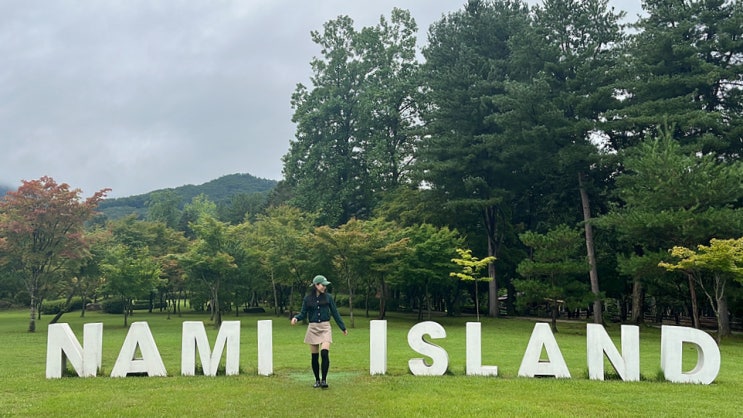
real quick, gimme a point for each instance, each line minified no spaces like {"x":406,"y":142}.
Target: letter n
{"x":62,"y":345}
{"x":627,"y":365}
{"x":194,"y":338}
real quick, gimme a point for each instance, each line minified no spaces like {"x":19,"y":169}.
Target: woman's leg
{"x":325,"y":354}
{"x":314,"y":352}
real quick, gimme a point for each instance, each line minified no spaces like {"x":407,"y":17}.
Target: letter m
{"x":194,"y":338}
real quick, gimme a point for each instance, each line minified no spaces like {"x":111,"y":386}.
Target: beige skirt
{"x":318,"y":333}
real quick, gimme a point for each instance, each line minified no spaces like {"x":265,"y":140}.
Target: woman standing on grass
{"x":317,"y":307}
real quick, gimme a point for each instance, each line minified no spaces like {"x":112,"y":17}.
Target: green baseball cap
{"x":320,"y":280}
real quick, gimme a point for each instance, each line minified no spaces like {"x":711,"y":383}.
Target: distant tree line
{"x":594,"y":167}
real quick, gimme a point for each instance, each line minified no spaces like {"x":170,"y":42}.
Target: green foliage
{"x":113,"y":306}
{"x":51,"y":307}
{"x":683,"y":66}
{"x":471,"y":267}
{"x":552,"y":275}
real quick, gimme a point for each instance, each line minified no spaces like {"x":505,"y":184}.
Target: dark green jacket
{"x":319,"y":308}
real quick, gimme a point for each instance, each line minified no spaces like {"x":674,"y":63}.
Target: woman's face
{"x":320,"y":287}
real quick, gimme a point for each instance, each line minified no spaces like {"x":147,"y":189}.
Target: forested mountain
{"x":4,"y":189}
{"x":217,"y":191}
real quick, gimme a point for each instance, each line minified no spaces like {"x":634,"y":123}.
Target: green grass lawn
{"x":24,"y":390}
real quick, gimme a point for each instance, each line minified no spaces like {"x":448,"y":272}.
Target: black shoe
{"x":317,"y":384}
{"x":323,"y":385}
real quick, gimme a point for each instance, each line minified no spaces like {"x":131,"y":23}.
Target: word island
{"x":85,"y":359}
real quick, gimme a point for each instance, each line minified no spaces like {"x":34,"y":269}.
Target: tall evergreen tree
{"x":573,"y":48}
{"x":468,"y":60}
{"x":352,"y":136}
{"x":684,"y":67}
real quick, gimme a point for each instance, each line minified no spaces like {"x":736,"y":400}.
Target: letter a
{"x":151,"y":363}
{"x":531,"y":366}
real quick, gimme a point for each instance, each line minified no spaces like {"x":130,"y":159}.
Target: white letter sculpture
{"x":474,"y":352}
{"x":708,"y":360}
{"x":151,"y":363}
{"x":265,"y":347}
{"x":378,"y":347}
{"x":627,"y":364}
{"x":530,"y":364}
{"x":439,"y":356}
{"x":194,"y":338}
{"x":62,"y":345}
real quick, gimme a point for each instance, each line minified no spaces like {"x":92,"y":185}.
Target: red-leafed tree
{"x":41,"y":232}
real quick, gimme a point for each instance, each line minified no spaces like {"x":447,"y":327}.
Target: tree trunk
{"x":638,"y":302}
{"x":593,"y":274}
{"x":723,"y":317}
{"x":694,"y":304}
{"x":126,"y":305}
{"x":382,"y":298}
{"x":350,"y":301}
{"x":32,"y":322}
{"x":490,"y":218}
{"x":477,"y":303}
{"x":66,"y":306}
{"x":217,"y":310}
{"x":553,"y":321}
{"x":275,"y":295}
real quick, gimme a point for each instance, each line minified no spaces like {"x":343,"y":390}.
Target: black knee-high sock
{"x":316,"y":365}
{"x":325,"y":363}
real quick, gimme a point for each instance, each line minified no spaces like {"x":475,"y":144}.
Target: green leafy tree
{"x":41,"y":233}
{"x":471,"y":267}
{"x":388,"y":247}
{"x":208,"y":260}
{"x":347,"y":246}
{"x":423,"y":271}
{"x":553,"y":272}
{"x":722,"y":262}
{"x":283,"y":242}
{"x":129,"y":273}
{"x":163,"y":206}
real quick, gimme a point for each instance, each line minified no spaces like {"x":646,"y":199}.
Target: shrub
{"x":53,"y":307}
{"x":112,"y":306}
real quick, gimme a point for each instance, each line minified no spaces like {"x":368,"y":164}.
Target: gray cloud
{"x":138,"y":95}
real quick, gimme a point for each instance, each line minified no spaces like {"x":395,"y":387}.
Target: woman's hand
{"x":294,"y":321}
{"x":345,"y":332}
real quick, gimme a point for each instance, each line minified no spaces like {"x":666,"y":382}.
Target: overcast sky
{"x":139,"y":95}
